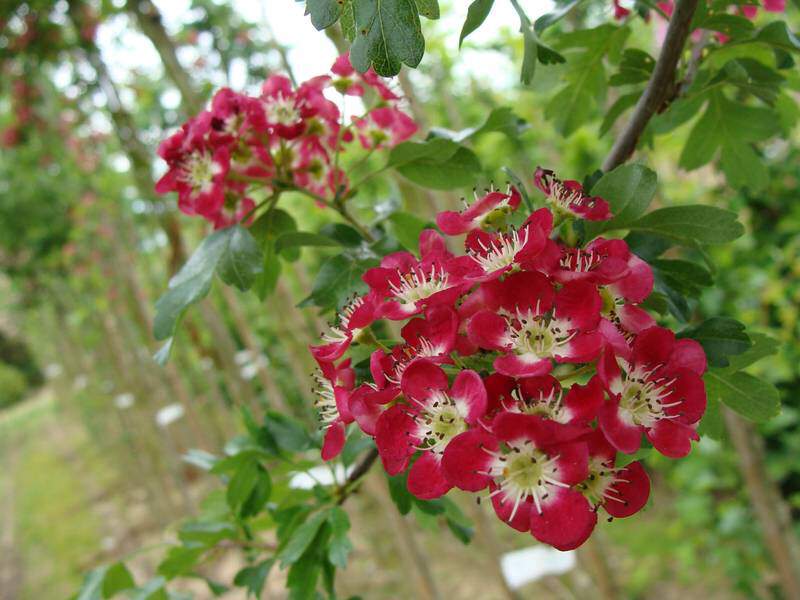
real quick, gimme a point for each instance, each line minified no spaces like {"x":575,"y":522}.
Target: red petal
{"x":469,"y":395}
{"x":464,"y":458}
{"x":394,"y":440}
{"x":504,"y":507}
{"x":688,"y":354}
{"x":422,"y":376}
{"x":334,"y":441}
{"x":525,"y":365}
{"x":633,"y":492}
{"x":672,"y":439}
{"x":583,"y":401}
{"x":579,"y":303}
{"x":653,"y":346}
{"x":426,"y":478}
{"x":566,"y":520}
{"x":488,"y":330}
{"x":623,"y":436}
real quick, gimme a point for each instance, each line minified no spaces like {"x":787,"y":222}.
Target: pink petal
{"x":653,"y":346}
{"x":688,"y":354}
{"x":584,"y":347}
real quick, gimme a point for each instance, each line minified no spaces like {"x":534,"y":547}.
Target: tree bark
{"x":770,"y":511}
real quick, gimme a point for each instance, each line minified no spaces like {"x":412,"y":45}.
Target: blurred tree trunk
{"x":771,"y":512}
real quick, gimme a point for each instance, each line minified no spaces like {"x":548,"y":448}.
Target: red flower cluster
{"x":525,"y":367}
{"x":286,"y":137}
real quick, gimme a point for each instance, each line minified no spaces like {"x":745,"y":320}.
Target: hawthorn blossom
{"x":659,"y":393}
{"x":568,"y":198}
{"x":486,"y":209}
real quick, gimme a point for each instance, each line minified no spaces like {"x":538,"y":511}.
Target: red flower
{"x":334,"y":384}
{"x":568,"y":198}
{"x":485,"y":210}
{"x":659,"y":393}
{"x":534,"y":327}
{"x":434,"y":415}
{"x":351,"y":319}
{"x":384,"y":127}
{"x":621,"y":492}
{"x":410,"y":284}
{"x":530,"y":475}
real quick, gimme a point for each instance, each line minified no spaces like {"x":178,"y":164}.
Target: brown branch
{"x":660,"y":86}
{"x":357,"y":473}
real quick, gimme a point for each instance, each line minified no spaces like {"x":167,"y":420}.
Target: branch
{"x":659,"y":87}
{"x":357,"y":473}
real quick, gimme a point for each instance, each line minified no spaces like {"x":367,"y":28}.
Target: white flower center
{"x":341,"y":331}
{"x":419,"y":284}
{"x":524,"y":472}
{"x":550,"y":406}
{"x":539,"y":335}
{"x":325,"y":401}
{"x":439,"y":421}
{"x":499,"y":253}
{"x":598,"y":487}
{"x":281,"y":111}
{"x":199,"y":170}
{"x":642,"y":398}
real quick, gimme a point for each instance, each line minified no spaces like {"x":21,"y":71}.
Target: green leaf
{"x":152,"y":590}
{"x":348,"y":21}
{"x":428,"y":8}
{"x":458,"y":170}
{"x":763,"y":346}
{"x":259,"y":496}
{"x":180,"y":560}
{"x":777,"y":34}
{"x":502,"y":120}
{"x":191,"y":284}
{"x":711,"y":424}
{"x":636,"y":66}
{"x":302,"y":538}
{"x":398,"y":490}
{"x":92,"y":588}
{"x":731,"y":128}
{"x":242,"y":484}
{"x":303,"y":576}
{"x":409,"y":152}
{"x":343,"y":234}
{"x":241,"y":260}
{"x":585,"y":81}
{"x":200,"y":459}
{"x":476,"y":14}
{"x":685,"y":277}
{"x":339,"y":546}
{"x":324,"y":13}
{"x":732,"y":26}
{"x":407,"y":228}
{"x":289,"y":434}
{"x":628,"y":189}
{"x":162,"y":355}
{"x":616,"y":110}
{"x":339,"y":278}
{"x":207,"y":533}
{"x":693,"y":222}
{"x":296,"y":239}
{"x":253,"y":578}
{"x":720,"y":337}
{"x":530,"y":53}
{"x":751,"y":397}
{"x":118,"y":578}
{"x":388,"y":35}
{"x":550,"y":19}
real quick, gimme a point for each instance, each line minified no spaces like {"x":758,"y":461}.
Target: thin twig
{"x":660,"y":85}
{"x":361,"y":469}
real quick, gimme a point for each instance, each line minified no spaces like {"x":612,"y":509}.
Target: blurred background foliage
{"x":91,"y":459}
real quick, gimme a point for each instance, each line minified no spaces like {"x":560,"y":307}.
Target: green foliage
{"x":388,"y":35}
{"x":13,"y":386}
{"x":439,"y":164}
{"x":628,"y":189}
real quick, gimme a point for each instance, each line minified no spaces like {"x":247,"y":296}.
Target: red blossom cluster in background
{"x":287,"y":137}
{"x":668,"y":6}
{"x":526,"y":366}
